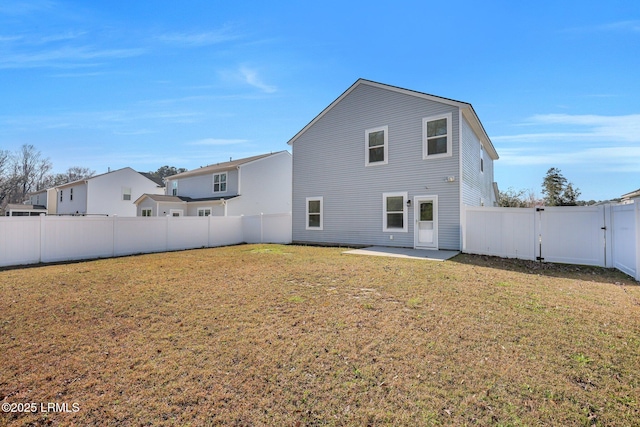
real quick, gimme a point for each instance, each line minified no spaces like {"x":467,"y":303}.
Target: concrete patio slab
{"x":432,"y":255}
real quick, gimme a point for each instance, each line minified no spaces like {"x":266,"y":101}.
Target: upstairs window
{"x":61,"y":195}
{"x":71,"y":194}
{"x":481,"y":158}
{"x":436,"y":136}
{"x":126,"y":193}
{"x":174,"y":188}
{"x":220,"y":182}
{"x":376,"y":146}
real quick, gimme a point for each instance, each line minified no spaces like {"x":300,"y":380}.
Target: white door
{"x":426,"y":222}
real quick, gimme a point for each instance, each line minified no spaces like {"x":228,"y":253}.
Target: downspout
{"x":462,"y":214}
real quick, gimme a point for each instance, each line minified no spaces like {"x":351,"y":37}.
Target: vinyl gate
{"x":572,"y":235}
{"x":605,"y":235}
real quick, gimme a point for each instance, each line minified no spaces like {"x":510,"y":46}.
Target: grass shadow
{"x":566,"y":271}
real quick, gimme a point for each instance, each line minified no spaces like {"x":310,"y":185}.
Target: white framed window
{"x":394,"y":212}
{"x":176,"y":212}
{"x":376,"y":146}
{"x":481,"y":158}
{"x":437,"y":136}
{"x":146,"y":211}
{"x":219,"y":182}
{"x":174,"y":188}
{"x":314,"y":213}
{"x":204,"y":211}
{"x":71,"y":194}
{"x":126,"y":193}
{"x":61,"y":195}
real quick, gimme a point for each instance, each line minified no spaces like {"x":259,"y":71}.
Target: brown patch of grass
{"x":286,"y":335}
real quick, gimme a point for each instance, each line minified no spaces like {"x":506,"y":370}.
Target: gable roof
{"x":221,"y":167}
{"x":153,"y":178}
{"x":631,"y":195}
{"x":79,"y":181}
{"x":465,"y":107}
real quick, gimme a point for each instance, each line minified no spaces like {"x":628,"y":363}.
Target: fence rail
{"x":31,"y":240}
{"x":605,"y":236}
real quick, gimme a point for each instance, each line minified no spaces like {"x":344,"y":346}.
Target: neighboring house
{"x":382,"y":165}
{"x":24,"y":210}
{"x":45,"y":198}
{"x":111,"y":193}
{"x":250,"y":186}
{"x":628,"y":198}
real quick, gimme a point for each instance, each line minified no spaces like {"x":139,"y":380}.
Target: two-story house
{"x":382,"y":165}
{"x":249,"y":186}
{"x":111,"y":193}
{"x":44,"y":199}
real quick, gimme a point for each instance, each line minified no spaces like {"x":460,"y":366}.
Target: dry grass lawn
{"x":262,"y":335}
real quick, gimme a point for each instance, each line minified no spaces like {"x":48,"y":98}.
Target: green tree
{"x":512,"y":198}
{"x":557,"y":190}
{"x":165,"y":171}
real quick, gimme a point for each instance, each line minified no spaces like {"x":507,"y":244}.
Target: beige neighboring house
{"x":628,"y":198}
{"x":45,"y":198}
{"x":111,"y":193}
{"x":248,"y":186}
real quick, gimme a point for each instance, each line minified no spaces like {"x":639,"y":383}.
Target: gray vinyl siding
{"x":148,"y":204}
{"x":201,"y":186}
{"x":476,"y":185}
{"x":329,"y":161}
{"x":79,"y":202}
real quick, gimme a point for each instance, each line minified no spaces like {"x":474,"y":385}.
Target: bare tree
{"x":30,"y":169}
{"x":74,"y":173}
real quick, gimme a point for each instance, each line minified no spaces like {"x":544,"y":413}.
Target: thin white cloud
{"x":195,"y":39}
{"x":582,"y":127}
{"x":218,"y":141}
{"x":632,"y":25}
{"x":251,"y":77}
{"x":65,"y":57}
{"x":597,"y":142}
{"x":17,"y":8}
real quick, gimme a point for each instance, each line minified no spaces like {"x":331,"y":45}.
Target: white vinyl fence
{"x":31,"y":240}
{"x":605,"y":235}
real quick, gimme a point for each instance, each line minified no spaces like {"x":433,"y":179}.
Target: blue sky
{"x":109,"y":84}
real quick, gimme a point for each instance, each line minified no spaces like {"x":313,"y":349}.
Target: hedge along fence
{"x":32,"y":240}
{"x":604,"y":235}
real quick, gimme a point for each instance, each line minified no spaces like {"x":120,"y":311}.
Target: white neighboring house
{"x":249,"y":186}
{"x":111,"y":193}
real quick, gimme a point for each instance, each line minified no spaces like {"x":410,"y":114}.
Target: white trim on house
{"x":385,"y":213}
{"x":320,"y":213}
{"x":204,"y":211}
{"x":368,"y":148}
{"x":466,"y":109}
{"x":426,"y":138}
{"x":416,"y":229}
{"x":222,"y":181}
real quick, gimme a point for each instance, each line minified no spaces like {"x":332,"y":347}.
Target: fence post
{"x":42,"y":236}
{"x":115,"y":233}
{"x":608,"y":235}
{"x":261,"y":227}
{"x":636,"y":204}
